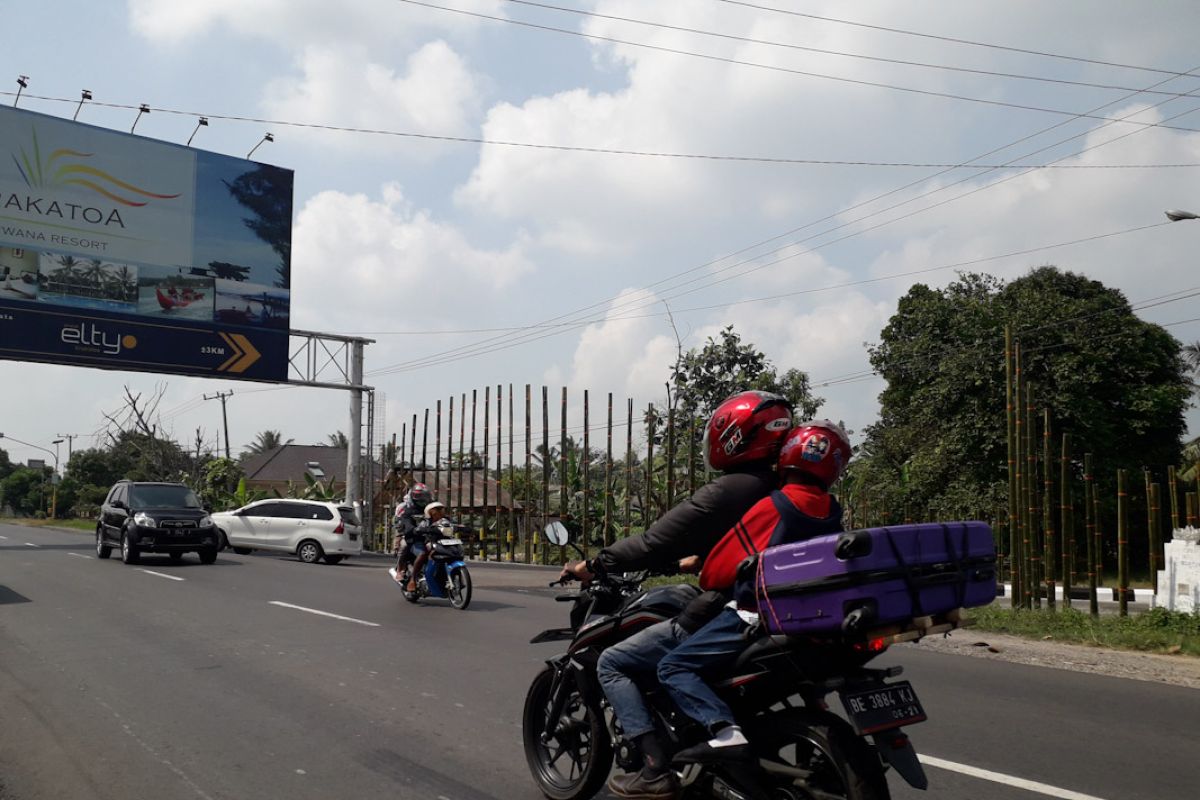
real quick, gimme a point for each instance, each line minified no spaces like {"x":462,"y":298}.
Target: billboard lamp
{"x":83,"y":98}
{"x":143,"y":109}
{"x":22,"y":84}
{"x":202,"y":123}
{"x":266,"y":138}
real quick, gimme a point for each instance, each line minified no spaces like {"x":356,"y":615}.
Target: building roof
{"x":290,"y":462}
{"x":447,"y":481}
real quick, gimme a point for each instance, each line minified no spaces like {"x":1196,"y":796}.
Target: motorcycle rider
{"x":812,"y":458}
{"x":434,"y":514}
{"x":741,"y":440}
{"x":406,"y":519}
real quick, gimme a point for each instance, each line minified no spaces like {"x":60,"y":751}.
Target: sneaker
{"x":636,"y":786}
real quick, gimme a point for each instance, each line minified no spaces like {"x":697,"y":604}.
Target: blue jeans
{"x":707,"y":653}
{"x":622,"y":665}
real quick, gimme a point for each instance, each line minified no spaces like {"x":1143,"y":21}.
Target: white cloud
{"x":435,"y":94}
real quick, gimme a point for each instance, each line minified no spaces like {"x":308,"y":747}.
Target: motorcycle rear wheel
{"x":843,"y":764}
{"x":580,"y":739}
{"x":459,"y":588}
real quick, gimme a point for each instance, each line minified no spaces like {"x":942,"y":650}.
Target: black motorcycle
{"x":777,"y":689}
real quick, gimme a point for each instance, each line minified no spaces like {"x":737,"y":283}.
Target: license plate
{"x":354,"y":537}
{"x":883,"y":707}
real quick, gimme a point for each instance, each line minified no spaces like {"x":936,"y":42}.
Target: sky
{"x":459,"y":200}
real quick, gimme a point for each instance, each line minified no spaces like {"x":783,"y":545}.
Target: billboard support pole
{"x":355,"y":438}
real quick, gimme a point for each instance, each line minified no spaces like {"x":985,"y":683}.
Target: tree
{"x":1114,"y":382}
{"x":265,"y":441}
{"x":6,"y":466}
{"x":26,"y":490}
{"x":338,"y":439}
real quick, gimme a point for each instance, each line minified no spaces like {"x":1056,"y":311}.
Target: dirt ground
{"x":1177,"y":670}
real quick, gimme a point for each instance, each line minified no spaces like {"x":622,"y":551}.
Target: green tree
{"x":939,"y":448}
{"x":6,"y":466}
{"x":338,"y":439}
{"x":265,"y":441}
{"x":26,"y":490}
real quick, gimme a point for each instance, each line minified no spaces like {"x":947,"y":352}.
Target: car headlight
{"x":145,"y":520}
{"x":206,"y":522}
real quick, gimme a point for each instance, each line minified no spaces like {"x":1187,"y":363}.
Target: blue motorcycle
{"x":445,"y":573}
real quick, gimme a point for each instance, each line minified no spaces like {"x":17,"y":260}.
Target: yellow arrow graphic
{"x":237,"y":353}
{"x":249,"y":353}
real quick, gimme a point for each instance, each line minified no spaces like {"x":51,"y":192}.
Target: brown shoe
{"x":636,"y":786}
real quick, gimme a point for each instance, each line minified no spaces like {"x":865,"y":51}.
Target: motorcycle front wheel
{"x":576,"y":760}
{"x":459,"y":588}
{"x":840,"y":763}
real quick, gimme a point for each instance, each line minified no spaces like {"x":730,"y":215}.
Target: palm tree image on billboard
{"x":64,"y":279}
{"x":18,"y":274}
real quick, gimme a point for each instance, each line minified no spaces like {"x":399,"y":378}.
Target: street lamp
{"x":1175,"y":215}
{"x":54,"y":483}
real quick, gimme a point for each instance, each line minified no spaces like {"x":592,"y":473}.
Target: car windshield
{"x":348,"y":515}
{"x":163,"y":497}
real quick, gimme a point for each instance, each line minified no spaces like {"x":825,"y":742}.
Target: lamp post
{"x":53,"y":483}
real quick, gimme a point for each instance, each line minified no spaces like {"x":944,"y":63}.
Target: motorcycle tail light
{"x":875,"y":645}
{"x":898,"y":742}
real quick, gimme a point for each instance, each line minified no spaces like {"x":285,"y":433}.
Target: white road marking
{"x":30,"y":544}
{"x":1008,"y":780}
{"x":3,"y":537}
{"x":78,"y":555}
{"x":324,"y":613}
{"x":161,"y":575}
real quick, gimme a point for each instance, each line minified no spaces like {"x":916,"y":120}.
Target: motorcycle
{"x":445,"y":573}
{"x":777,"y":689}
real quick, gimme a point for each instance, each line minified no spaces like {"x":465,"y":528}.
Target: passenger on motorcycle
{"x":812,"y":458}
{"x":435,"y":513}
{"x":407,"y":517}
{"x":742,"y":440}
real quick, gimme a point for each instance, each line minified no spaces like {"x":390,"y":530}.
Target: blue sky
{"x":396,"y":234}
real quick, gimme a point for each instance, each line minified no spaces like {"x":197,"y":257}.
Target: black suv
{"x":154,"y":518}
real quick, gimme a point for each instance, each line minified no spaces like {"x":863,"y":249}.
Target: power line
{"x":613,"y":151}
{"x":823,"y":51}
{"x":774,"y":68}
{"x":951,"y":38}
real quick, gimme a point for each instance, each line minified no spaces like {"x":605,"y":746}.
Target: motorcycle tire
{"x":843,"y":765}
{"x":458,"y":586}
{"x":581,"y":740}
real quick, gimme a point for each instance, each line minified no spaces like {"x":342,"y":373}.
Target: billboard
{"x":124,"y":252}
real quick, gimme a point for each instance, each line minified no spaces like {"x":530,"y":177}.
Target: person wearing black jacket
{"x":742,"y":440}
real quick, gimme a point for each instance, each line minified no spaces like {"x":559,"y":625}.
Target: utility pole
{"x":70,"y":437}
{"x":224,"y":418}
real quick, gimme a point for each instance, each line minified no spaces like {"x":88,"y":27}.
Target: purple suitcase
{"x":852,"y":581}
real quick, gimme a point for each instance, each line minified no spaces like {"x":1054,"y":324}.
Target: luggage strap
{"x":910,"y":581}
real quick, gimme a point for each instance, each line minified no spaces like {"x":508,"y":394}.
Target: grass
{"x":88,"y":525}
{"x":1156,"y":630}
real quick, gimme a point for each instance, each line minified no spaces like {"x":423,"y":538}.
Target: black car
{"x":141,"y":517}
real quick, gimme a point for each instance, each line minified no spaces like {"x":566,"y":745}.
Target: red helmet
{"x":818,"y":447}
{"x":748,"y":426}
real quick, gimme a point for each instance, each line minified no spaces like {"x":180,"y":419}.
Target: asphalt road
{"x":187,"y":681}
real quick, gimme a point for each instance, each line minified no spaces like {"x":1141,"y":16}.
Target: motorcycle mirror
{"x":556,"y":533}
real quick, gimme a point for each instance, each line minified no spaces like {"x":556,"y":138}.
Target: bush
{"x":1156,"y":630}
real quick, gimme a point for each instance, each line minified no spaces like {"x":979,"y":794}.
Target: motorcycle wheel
{"x":576,"y":761}
{"x":841,"y":764}
{"x":459,"y":588}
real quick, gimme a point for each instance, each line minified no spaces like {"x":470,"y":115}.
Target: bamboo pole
{"x":670,"y":458}
{"x":403,"y":441}
{"x":471,"y":459}
{"x":412,"y":445}
{"x":1173,"y":488}
{"x":1013,"y":469}
{"x":1034,"y":559}
{"x":628,"y":466}
{"x":1122,"y":542}
{"x":1098,"y":534}
{"x":563,"y":504}
{"x":487,"y":431}
{"x":1155,"y":533}
{"x":437,"y":452}
{"x":1066,"y":506}
{"x":1089,"y":531}
{"x":545,"y":467}
{"x":450,"y":457}
{"x":691,"y":455}
{"x":608,"y":479}
{"x":1048,"y":512}
{"x":648,"y":501}
{"x":528,"y":475}
{"x":1021,"y":544}
{"x":1193,"y":509}
{"x":462,"y":442}
{"x":425,"y":448}
{"x":512,"y":487}
{"x":585,"y":465}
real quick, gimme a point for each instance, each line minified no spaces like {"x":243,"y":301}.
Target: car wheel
{"x":309,"y":551}
{"x":102,"y":550}
{"x":176,"y":557}
{"x":331,"y":560}
{"x":208,"y":556}
{"x":222,"y":540}
{"x":242,"y":551}
{"x":129,"y":551}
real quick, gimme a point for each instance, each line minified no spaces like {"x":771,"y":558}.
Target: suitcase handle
{"x":853,"y":544}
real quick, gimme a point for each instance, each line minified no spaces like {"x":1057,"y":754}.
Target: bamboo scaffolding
{"x":1048,"y":513}
{"x":1089,"y":509}
{"x":1122,"y":542}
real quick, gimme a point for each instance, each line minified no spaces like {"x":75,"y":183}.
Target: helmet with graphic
{"x":819,"y":448}
{"x":748,"y":426}
{"x":419,"y":495}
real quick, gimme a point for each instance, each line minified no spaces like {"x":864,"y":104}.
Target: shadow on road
{"x":8,"y":596}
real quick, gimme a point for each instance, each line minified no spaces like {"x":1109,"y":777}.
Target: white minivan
{"x":311,"y":529}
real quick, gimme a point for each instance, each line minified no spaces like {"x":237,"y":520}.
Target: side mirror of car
{"x":119,"y":504}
